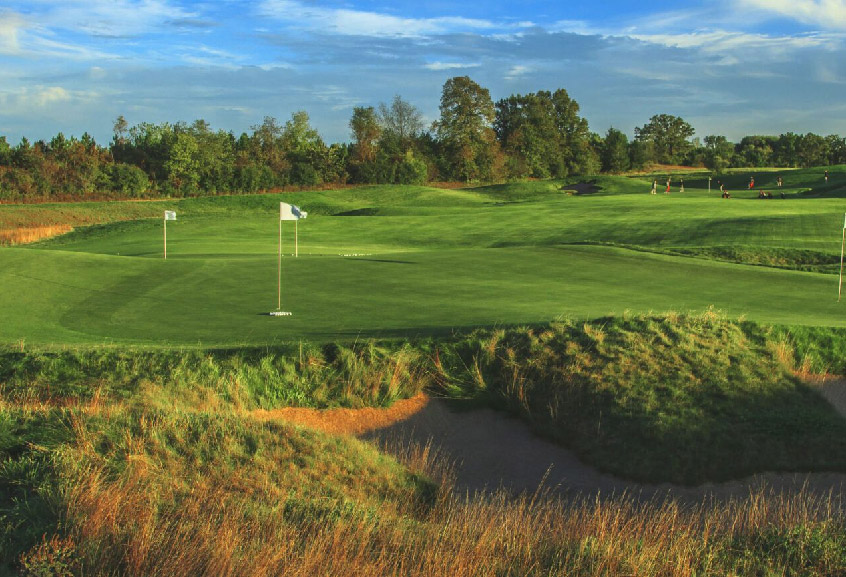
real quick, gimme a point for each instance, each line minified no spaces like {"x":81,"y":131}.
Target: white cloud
{"x":10,"y":26}
{"x":111,"y":18}
{"x":733,"y":43}
{"x":28,"y":99}
{"x":50,"y":95}
{"x":206,"y":56}
{"x":828,"y":74}
{"x":576,"y":27}
{"x":828,"y":14}
{"x":517,"y":71}
{"x":361,"y":23}
{"x":449,"y":65}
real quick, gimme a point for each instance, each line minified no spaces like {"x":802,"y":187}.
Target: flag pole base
{"x":280,"y":314}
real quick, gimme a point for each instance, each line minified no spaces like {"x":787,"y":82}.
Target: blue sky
{"x":730,"y":67}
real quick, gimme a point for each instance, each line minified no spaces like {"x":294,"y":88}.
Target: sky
{"x":728,"y":67}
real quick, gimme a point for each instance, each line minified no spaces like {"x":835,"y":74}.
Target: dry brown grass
{"x":25,"y":235}
{"x":132,"y":525}
{"x":117,"y":528}
{"x":347,"y":421}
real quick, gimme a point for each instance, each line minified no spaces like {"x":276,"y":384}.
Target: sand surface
{"x":493,"y":450}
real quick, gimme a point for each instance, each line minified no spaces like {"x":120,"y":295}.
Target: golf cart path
{"x":492,"y":450}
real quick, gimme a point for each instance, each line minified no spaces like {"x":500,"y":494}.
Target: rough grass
{"x":679,"y":398}
{"x":164,"y":494}
{"x":134,"y":490}
{"x":820,"y":350}
{"x":145,"y":463}
{"x":26,"y":235}
{"x":804,"y":260}
{"x":366,"y":374}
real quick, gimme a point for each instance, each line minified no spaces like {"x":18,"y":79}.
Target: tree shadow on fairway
{"x":369,"y":211}
{"x":387,"y":260}
{"x":413,"y":333}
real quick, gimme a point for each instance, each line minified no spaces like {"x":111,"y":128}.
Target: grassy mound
{"x":677,"y":398}
{"x":121,"y":489}
{"x":113,"y":488}
{"x":804,"y":260}
{"x":145,"y":462}
{"x":308,"y":376}
{"x":123,"y":493}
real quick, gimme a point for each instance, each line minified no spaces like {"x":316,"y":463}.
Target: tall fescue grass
{"x":304,"y":504}
{"x":15,"y":236}
{"x":356,"y":375}
{"x":148,"y":463}
{"x":680,"y":398}
{"x":820,"y":350}
{"x":131,"y":486}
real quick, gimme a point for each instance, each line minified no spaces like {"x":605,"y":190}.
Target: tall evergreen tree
{"x":615,"y":151}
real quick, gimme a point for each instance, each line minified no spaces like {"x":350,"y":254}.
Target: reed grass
{"x":26,"y":235}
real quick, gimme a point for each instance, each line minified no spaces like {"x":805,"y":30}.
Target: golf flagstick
{"x":842,"y":244}
{"x":286,"y":212}
{"x":168,"y":215}
{"x":279,"y":268}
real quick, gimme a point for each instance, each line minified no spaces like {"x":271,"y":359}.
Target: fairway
{"x":415,"y":261}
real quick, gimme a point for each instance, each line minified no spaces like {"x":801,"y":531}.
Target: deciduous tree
{"x":465,"y":131}
{"x":365,"y":132}
{"x":669,"y":137}
{"x":718,"y":153}
{"x":401,"y":122}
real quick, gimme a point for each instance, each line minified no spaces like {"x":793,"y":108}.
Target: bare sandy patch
{"x":357,"y":422}
{"x":493,"y":450}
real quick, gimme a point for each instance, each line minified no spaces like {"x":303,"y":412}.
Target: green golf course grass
{"x":129,"y":384}
{"x":409,"y":261}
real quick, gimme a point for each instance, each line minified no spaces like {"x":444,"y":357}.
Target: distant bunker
{"x":580,"y":188}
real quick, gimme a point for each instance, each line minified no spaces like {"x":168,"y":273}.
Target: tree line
{"x":536,"y":135}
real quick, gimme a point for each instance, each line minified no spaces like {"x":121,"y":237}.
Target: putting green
{"x":224,"y":301}
{"x":427,"y":262}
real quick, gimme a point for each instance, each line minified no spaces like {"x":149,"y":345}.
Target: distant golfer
{"x":654,"y":186}
{"x":779,"y":182}
{"x":751,"y":182}
{"x":668,"y":186}
{"x":681,"y":185}
{"x":826,"y":177}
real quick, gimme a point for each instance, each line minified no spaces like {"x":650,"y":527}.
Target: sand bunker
{"x":493,"y":450}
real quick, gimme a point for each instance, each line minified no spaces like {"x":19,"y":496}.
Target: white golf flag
{"x":844,"y":221}
{"x":170,"y":215}
{"x":290,"y":212}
